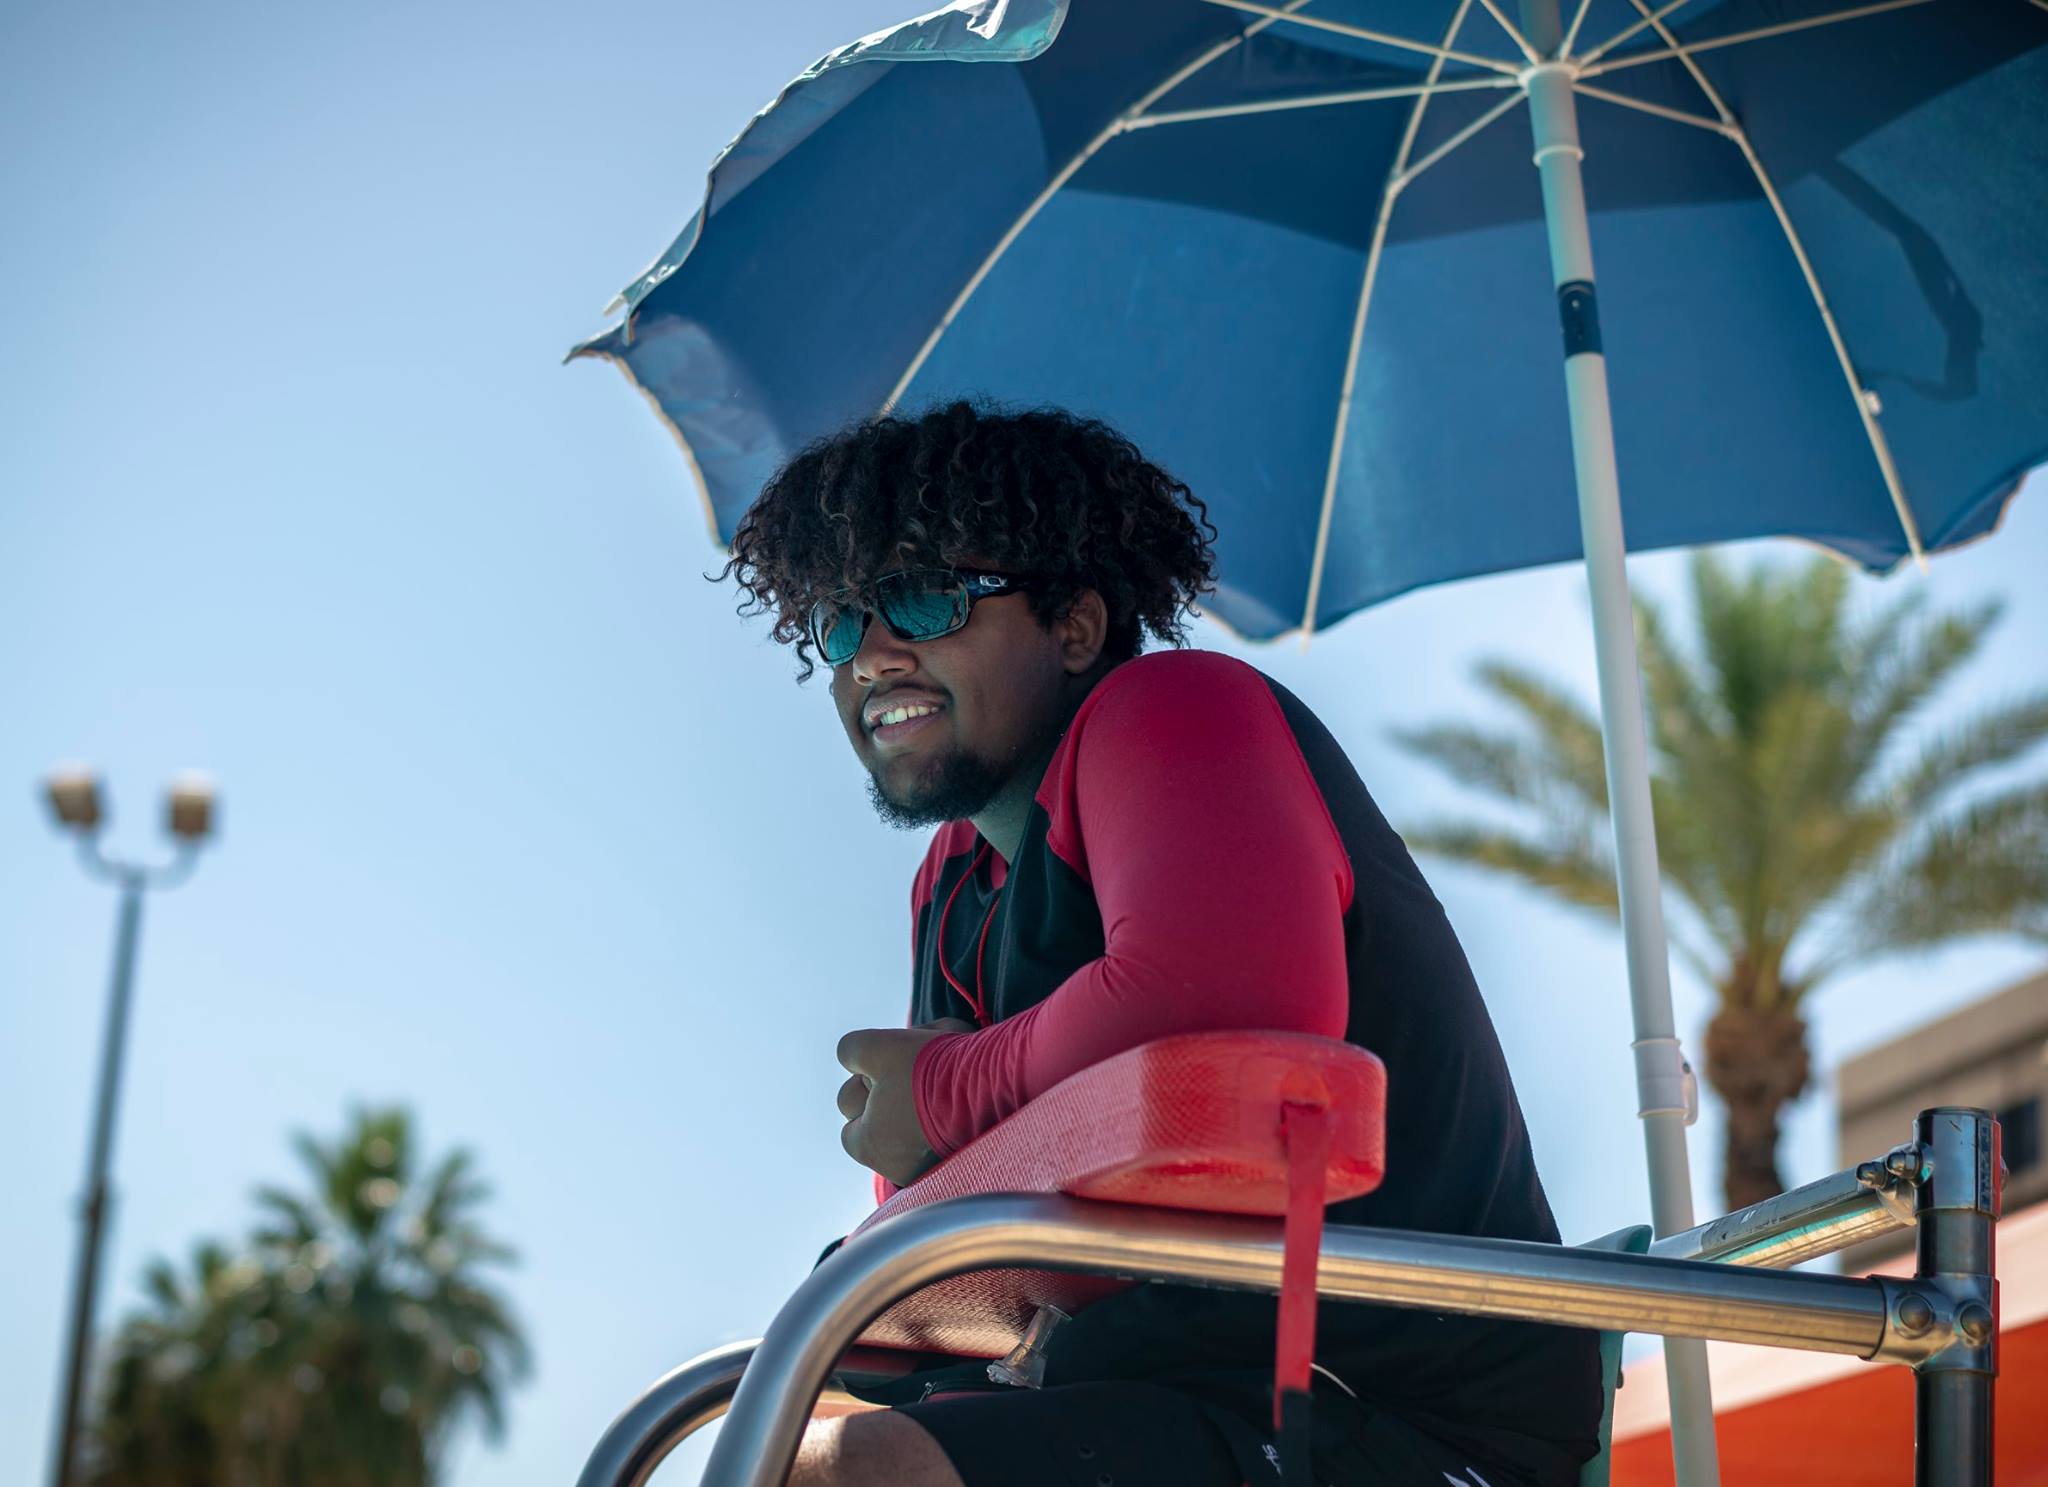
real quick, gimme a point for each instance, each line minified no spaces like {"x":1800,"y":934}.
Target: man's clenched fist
{"x":881,"y":1128}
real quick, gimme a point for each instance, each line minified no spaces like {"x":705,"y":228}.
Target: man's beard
{"x":955,"y":788}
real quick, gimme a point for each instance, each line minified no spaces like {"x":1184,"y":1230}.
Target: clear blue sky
{"x":521,"y":826}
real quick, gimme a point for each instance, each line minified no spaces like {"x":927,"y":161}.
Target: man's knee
{"x":877,"y":1448}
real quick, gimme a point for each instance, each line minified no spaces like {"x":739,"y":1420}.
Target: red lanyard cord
{"x":976,"y":999}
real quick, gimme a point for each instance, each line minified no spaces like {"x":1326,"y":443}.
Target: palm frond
{"x":1983,"y":870}
{"x":1765,"y":630}
{"x":1998,"y":735}
{"x":1902,"y":675}
{"x":489,"y":1403}
{"x":1566,"y":731}
{"x":1692,"y":845}
{"x":1870,"y":647}
{"x":1813,"y":835}
{"x":160,"y":1282}
{"x":1681,"y":710}
{"x":1580,"y":873}
{"x":1495,"y":763}
{"x":301,"y":1222}
{"x":318,"y":1162}
{"x":477,"y":1250}
{"x":209,"y":1259}
{"x":452,"y":1189}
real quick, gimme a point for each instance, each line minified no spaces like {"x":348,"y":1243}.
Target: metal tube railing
{"x":683,"y":1401}
{"x":679,"y":1404}
{"x":1822,"y":1218}
{"x":1486,"y":1277}
{"x":1942,"y":1322}
{"x":1848,"y":1208}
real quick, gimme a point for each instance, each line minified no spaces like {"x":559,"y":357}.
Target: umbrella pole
{"x":1663,"y":1099}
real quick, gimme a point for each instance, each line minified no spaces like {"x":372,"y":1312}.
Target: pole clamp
{"x":1895,"y":1180}
{"x":1942,"y":1323}
{"x":1965,"y":1160}
{"x":1579,"y":311}
{"x":1665,"y":1082}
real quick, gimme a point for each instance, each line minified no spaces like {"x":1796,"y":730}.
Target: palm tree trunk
{"x":1758,"y":1063}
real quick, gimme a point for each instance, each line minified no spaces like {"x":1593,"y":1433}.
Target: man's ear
{"x":1082,"y":632}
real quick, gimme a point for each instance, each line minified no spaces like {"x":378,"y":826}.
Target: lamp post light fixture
{"x":73,"y":793}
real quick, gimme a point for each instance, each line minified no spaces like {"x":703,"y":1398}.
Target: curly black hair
{"x":1066,"y":499}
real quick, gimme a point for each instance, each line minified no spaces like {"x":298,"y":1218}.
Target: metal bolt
{"x":1872,"y":1175}
{"x":1915,"y":1315}
{"x":1976,"y":1323}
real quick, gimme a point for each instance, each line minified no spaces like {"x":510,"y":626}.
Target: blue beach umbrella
{"x":1299,"y":252}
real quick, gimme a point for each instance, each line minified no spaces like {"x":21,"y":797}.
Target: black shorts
{"x":1148,"y":1435}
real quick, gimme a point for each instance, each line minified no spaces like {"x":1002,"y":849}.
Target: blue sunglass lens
{"x":838,"y":629}
{"x":922,"y":606}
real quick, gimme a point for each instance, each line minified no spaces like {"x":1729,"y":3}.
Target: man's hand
{"x":881,"y":1128}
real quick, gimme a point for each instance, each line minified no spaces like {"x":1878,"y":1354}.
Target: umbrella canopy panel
{"x":1195,"y":280}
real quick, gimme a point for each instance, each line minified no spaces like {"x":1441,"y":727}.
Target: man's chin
{"x":948,"y":789}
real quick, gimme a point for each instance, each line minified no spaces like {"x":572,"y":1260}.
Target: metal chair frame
{"x":1722,"y":1280}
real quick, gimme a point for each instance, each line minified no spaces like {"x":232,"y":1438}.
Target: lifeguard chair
{"x":1209,"y":1158}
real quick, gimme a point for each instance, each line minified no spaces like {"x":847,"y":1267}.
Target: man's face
{"x":943,"y":725}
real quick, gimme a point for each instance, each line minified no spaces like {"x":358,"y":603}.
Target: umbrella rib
{"x":1571,"y":34}
{"x":1362,"y":33}
{"x":1321,"y":100}
{"x":1650,"y":18}
{"x":1677,"y":116}
{"x":1396,"y":180}
{"x":1493,"y":9}
{"x":1864,"y":399}
{"x":1674,"y":49}
{"x":1458,"y":139}
{"x":1109,"y":132}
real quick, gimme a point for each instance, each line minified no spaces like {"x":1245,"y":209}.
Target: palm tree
{"x":343,"y":1349}
{"x":1803,"y":827}
{"x":393,"y":1337}
{"x":169,"y":1379}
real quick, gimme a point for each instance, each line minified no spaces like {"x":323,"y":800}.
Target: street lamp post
{"x":74,"y":799}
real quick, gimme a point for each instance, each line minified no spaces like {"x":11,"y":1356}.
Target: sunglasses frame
{"x":974,"y":584}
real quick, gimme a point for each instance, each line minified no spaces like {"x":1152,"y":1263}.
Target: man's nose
{"x":881,"y":654}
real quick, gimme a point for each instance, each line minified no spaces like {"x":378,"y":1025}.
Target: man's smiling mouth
{"x":900,"y":705}
{"x":894,"y":719}
{"x":903,"y":712}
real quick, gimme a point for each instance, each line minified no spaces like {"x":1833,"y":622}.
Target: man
{"x":1129,"y":847}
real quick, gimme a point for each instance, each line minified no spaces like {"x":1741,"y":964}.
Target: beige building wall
{"x":1992,"y":1053}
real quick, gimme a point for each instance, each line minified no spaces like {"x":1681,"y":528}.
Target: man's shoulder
{"x":1169,"y":714}
{"x":1174,"y":680}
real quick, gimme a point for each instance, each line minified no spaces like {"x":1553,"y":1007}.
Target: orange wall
{"x":1858,"y":1432}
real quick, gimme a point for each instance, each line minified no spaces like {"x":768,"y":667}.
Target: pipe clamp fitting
{"x":1665,"y":1082}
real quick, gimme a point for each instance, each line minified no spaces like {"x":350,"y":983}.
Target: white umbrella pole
{"x":1661,"y":1079}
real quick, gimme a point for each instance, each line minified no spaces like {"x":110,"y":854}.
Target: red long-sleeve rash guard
{"x":1179,"y":822}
